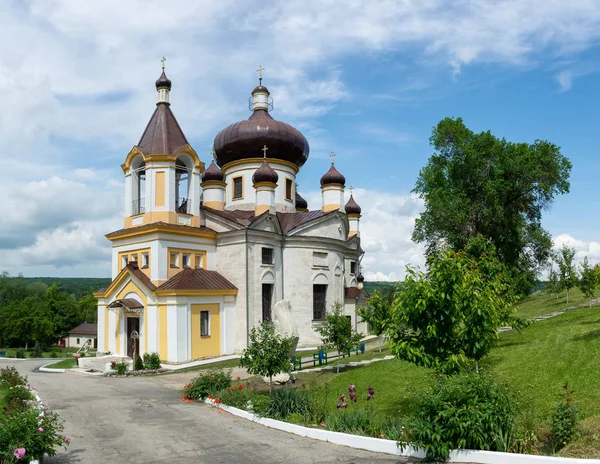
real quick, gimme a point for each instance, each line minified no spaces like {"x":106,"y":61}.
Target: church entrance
{"x":133,"y":323}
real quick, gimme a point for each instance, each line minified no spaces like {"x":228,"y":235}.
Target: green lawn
{"x":61,"y":352}
{"x":542,"y":303}
{"x":64,"y":364}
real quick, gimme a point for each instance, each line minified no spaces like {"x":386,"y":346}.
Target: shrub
{"x":121,"y":367}
{"x":392,"y":428}
{"x":466,"y":411}
{"x":565,"y":419}
{"x":17,"y":397}
{"x":357,"y":421}
{"x":242,"y":399}
{"x":151,"y":361}
{"x":139,"y":364}
{"x":10,"y":377}
{"x":209,"y":382}
{"x":285,"y":402}
{"x":20,"y":354}
{"x":37,"y":351}
{"x":53,"y":354}
{"x":36,"y":430}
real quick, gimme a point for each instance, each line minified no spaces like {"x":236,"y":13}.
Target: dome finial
{"x":264,"y":150}
{"x":163,"y":85}
{"x":259,"y":71}
{"x":332,"y":156}
{"x":212,"y":153}
{"x":163,"y":62}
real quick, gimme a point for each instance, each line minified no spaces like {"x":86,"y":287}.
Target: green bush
{"x":17,"y":397}
{"x":20,"y":354}
{"x":465,"y":411}
{"x":121,"y":367}
{"x":53,"y":354}
{"x":242,"y":399}
{"x":357,"y":421}
{"x":151,"y":361}
{"x":28,"y":429}
{"x":287,"y":401}
{"x":10,"y":377}
{"x":565,"y":419}
{"x":139,"y":364}
{"x":207,"y":383}
{"x":392,"y":428}
{"x":37,"y":351}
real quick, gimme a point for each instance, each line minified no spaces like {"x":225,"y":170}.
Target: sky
{"x":367,"y":79}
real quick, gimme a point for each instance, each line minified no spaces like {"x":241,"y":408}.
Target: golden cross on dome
{"x":351,"y":189}
{"x":332,"y":156}
{"x":212,"y":153}
{"x":163,"y":62}
{"x":265,"y":148}
{"x":259,"y":71}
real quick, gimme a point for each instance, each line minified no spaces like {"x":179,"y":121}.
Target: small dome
{"x":360,"y":277}
{"x":301,"y":203}
{"x":163,"y":81}
{"x":333,"y":177}
{"x":352,"y":207}
{"x":212,"y":173}
{"x":265,"y":174}
{"x":261,"y":88}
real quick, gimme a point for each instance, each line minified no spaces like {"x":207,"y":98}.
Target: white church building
{"x":205,"y":254}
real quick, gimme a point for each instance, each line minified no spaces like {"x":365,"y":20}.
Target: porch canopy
{"x":129,"y":304}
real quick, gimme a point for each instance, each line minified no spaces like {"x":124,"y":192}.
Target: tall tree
{"x":452,"y":313}
{"x":567,"y":273}
{"x":479,"y":184}
{"x":553,"y":286}
{"x":588,"y":280}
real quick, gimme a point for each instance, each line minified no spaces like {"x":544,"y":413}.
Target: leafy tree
{"x":63,"y":307}
{"x":268,"y":353}
{"x":378,"y":310}
{"x":337,"y":333}
{"x":479,"y":184}
{"x":588,"y":281}
{"x":451,"y":314}
{"x":553,"y":286}
{"x":87,"y":308}
{"x":567,"y":272}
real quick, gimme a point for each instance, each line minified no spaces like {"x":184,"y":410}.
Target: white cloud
{"x":582,"y":249}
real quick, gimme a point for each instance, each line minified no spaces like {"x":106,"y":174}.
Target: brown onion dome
{"x":301,"y":203}
{"x":212,"y":173}
{"x":245,"y":139}
{"x":163,"y":81}
{"x":265,"y":174}
{"x":360,"y":277}
{"x":333,"y":176}
{"x":352,"y":207}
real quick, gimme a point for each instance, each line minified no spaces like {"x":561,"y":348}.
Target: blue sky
{"x":367,"y":80}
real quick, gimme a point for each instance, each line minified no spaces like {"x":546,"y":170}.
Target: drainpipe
{"x":247,"y":294}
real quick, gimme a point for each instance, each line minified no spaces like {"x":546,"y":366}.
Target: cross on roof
{"x":351,"y":189}
{"x":332,"y":156}
{"x":212,"y":153}
{"x":265,"y":148}
{"x":163,"y":62}
{"x":259,"y":71}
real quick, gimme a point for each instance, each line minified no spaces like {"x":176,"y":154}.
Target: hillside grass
{"x":64,"y":364}
{"x":540,"y":303}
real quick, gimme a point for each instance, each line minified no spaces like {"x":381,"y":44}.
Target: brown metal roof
{"x":289,"y":221}
{"x":355,"y":292}
{"x":162,"y":224}
{"x":128,"y":303}
{"x":136,"y":271}
{"x":85,"y":329}
{"x":163,"y":134}
{"x":197,"y":279}
{"x":243,"y":218}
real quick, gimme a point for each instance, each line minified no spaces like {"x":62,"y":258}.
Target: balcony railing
{"x":138,"y":206}
{"x":183,"y":205}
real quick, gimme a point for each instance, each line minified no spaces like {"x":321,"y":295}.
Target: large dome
{"x":246,"y":139}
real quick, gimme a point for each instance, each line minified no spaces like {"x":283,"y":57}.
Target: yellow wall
{"x":130,"y":255}
{"x":106,"y":310}
{"x":159,"y":196}
{"x":206,"y":346}
{"x":201,"y":254}
{"x":162,"y":332}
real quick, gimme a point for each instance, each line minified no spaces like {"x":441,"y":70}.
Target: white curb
{"x":379,"y":445}
{"x":44,"y":368}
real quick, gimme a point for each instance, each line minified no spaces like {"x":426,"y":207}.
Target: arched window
{"x":319,"y":297}
{"x":138,"y":176}
{"x":182,"y":187}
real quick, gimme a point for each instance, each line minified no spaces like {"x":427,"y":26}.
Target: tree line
{"x":33,"y":311}
{"x":564,"y":275}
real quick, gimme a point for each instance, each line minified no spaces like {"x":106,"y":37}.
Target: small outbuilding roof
{"x":85,"y":329}
{"x":355,"y":292}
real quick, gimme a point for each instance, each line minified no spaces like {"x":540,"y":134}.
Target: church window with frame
{"x":182,"y":187}
{"x":352,"y":267}
{"x":267,"y":255}
{"x":289,"y":186}
{"x":124,"y":261}
{"x":174,"y":259}
{"x":145,"y":259}
{"x":198,"y":261}
{"x":267,"y":301}
{"x":134,"y":257}
{"x":204,"y":323}
{"x":186,"y":260}
{"x":319,"y":301}
{"x":238,"y":188}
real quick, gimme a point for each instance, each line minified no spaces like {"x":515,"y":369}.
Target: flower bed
{"x":138,"y":373}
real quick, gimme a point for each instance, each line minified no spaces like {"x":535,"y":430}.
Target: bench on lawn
{"x":321,"y":357}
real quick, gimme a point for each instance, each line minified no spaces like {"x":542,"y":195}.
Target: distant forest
{"x":76,"y":286}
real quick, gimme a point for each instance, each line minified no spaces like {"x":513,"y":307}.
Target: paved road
{"x":142,"y":420}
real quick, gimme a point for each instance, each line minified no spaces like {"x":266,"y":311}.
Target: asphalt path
{"x":142,"y":420}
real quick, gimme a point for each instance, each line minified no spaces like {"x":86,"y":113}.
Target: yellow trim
{"x":233,"y":198}
{"x":203,"y":292}
{"x":271,"y":161}
{"x":129,"y":158}
{"x":213,"y":183}
{"x":118,"y":334}
{"x":171,"y":271}
{"x":291,"y":181}
{"x":162,"y":157}
{"x":146,"y":330}
{"x":163,"y":335}
{"x":353,"y":216}
{"x":159,"y":228}
{"x":265,"y":184}
{"x":259,"y":209}
{"x":302,"y":210}
{"x":159,"y":189}
{"x":352,"y":233}
{"x":210,"y":345}
{"x":218,"y":205}
{"x":331,"y":207}
{"x":139,"y":252}
{"x":327,"y":187}
{"x":106,"y":328}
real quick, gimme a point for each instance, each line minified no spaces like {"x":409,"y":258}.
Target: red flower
{"x":232,"y":389}
{"x":240,"y":387}
{"x":218,"y":400}
{"x":210,"y":396}
{"x":238,"y":378}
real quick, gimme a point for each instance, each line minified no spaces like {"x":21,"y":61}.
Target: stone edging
{"x":53,"y":371}
{"x":379,"y":445}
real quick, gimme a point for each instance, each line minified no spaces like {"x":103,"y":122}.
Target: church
{"x":205,"y":253}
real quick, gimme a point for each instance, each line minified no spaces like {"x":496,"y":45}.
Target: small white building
{"x":205,"y":254}
{"x":81,"y":334}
